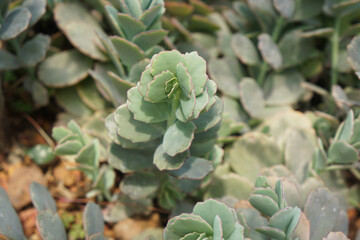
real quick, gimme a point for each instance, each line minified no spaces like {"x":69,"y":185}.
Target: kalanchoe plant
{"x":17,"y":50}
{"x":74,"y":143}
{"x":271,"y":202}
{"x":170,"y":120}
{"x":343,"y":152}
{"x":209,"y":220}
{"x":48,"y":222}
{"x":175,"y":102}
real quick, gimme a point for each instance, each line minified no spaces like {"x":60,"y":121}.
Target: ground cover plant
{"x":180,"y":119}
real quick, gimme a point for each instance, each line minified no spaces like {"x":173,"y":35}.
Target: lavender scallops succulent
{"x":174,"y":109}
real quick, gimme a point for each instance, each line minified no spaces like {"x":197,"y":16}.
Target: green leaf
{"x":68,"y":148}
{"x":230,"y":184}
{"x":179,"y":9}
{"x":323,"y":221}
{"x":156,"y":89}
{"x":134,"y":130}
{"x":15,"y":23}
{"x":111,"y":90}
{"x":165,"y":61}
{"x":39,"y":94}
{"x":71,"y":102}
{"x":50,"y":226}
{"x":286,"y":220}
{"x":199,"y":23}
{"x":252,"y":97}
{"x":346,"y":129}
{"x":89,"y":156}
{"x":132,"y":7}
{"x":217,"y":226}
{"x":41,"y":198}
{"x":264,"y":204}
{"x":269,"y":51}
{"x":34,"y":50}
{"x":140,"y":185}
{"x":196,"y":67}
{"x":164,"y":161}
{"x":246,"y":159}
{"x":151,"y":15}
{"x":296,"y":49}
{"x":306,"y":9}
{"x":272,"y":232}
{"x":41,"y":154}
{"x":187,"y":223}
{"x":210,"y":118}
{"x":146,"y":40}
{"x":178,"y":137}
{"x":89,"y":94}
{"x":266,"y":192}
{"x":227,"y":74}
{"x":10,"y":225}
{"x":285,"y":7}
{"x":37,"y":9}
{"x":244,"y":49}
{"x":144,"y":111}
{"x":85,"y":38}
{"x":93,"y":220}
{"x":8,"y":61}
{"x":129,"y":160}
{"x":81,"y":28}
{"x":354,"y":56}
{"x":130,"y":26}
{"x":283,"y":88}
{"x":194,"y":168}
{"x":299,"y":147}
{"x":342,"y":152}
{"x":128,"y":52}
{"x":209,"y":209}
{"x":187,"y":106}
{"x":64,"y":69}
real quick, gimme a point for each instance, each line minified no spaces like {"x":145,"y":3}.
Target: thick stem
{"x":275,"y":37}
{"x":335,"y":52}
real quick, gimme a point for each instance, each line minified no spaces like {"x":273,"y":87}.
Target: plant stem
{"x":335,"y":52}
{"x":275,"y":37}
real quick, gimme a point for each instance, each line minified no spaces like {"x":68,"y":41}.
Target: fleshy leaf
{"x":93,"y":221}
{"x":134,"y":130}
{"x":15,"y":23}
{"x":194,"y":168}
{"x":178,"y":137}
{"x":10,"y":224}
{"x":145,"y":111}
{"x":166,"y":162}
{"x":41,"y":198}
{"x":140,"y":185}
{"x":146,"y":40}
{"x":34,"y":50}
{"x":245,"y":49}
{"x":64,"y":69}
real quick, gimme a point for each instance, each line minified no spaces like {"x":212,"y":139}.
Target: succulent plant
{"x":344,"y":148}
{"x":48,"y":222}
{"x":171,"y":121}
{"x":272,"y":203}
{"x":74,"y":143}
{"x":174,"y":102}
{"x":208,"y":220}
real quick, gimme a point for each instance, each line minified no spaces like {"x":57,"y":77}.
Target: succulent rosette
{"x":174,"y":107}
{"x":209,"y":220}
